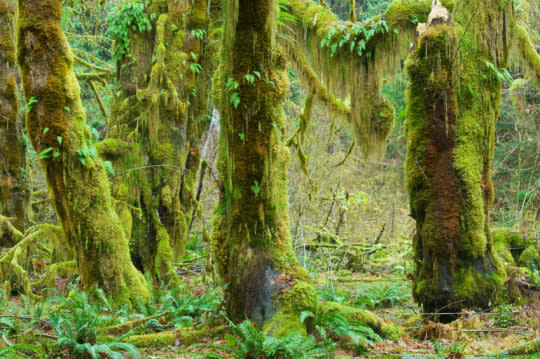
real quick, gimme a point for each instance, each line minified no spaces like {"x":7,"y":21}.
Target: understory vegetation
{"x":322,"y":258}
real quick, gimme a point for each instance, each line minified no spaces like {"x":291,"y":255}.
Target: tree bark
{"x":13,"y":199}
{"x":75,"y":174}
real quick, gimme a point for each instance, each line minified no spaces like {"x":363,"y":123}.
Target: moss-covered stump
{"x":76,"y":176}
{"x":13,"y":199}
{"x":453,"y":104}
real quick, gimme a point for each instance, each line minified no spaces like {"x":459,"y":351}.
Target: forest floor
{"x":379,"y":284}
{"x":384,"y":289}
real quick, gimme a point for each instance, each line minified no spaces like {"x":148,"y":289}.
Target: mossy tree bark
{"x":76,"y":176}
{"x":13,"y":200}
{"x":158,"y":119}
{"x":251,"y":239}
{"x":453,"y":103}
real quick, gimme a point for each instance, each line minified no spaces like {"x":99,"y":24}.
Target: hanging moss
{"x":352,"y":58}
{"x":76,"y":176}
{"x":13,"y":198}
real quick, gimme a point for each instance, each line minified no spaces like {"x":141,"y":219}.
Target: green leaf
{"x":109,"y":167}
{"x":45,"y":153}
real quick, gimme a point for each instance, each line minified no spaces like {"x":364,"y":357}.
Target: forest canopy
{"x":269,"y":178}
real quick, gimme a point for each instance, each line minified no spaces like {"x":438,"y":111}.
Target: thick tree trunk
{"x":13,"y":199}
{"x":158,"y":118}
{"x":453,"y":104}
{"x":75,"y":175}
{"x":251,"y":235}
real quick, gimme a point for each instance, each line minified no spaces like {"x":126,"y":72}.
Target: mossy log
{"x":76,"y":176}
{"x":13,"y":198}
{"x":180,"y":336}
{"x":453,"y":101}
{"x":527,"y":348}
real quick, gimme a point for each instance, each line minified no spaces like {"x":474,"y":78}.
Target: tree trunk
{"x":13,"y":200}
{"x":251,"y":235}
{"x":158,"y":118}
{"x":75,"y":174}
{"x":453,"y":104}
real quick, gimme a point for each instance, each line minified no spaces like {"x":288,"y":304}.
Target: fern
{"x":250,"y":342}
{"x":19,"y":351}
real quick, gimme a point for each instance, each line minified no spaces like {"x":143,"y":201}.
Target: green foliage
{"x":354,"y":38}
{"x":20,"y":351}
{"x":129,"y":17}
{"x":506,"y":317}
{"x":454,"y":350}
{"x":332,"y":325}
{"x":385,"y":294}
{"x":185,"y":308}
{"x":77,"y":321}
{"x":249,"y":342}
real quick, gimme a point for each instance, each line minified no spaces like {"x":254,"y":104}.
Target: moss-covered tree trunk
{"x":158,"y":118}
{"x":251,"y":236}
{"x":453,"y":104}
{"x":76,"y":176}
{"x":12,"y":159}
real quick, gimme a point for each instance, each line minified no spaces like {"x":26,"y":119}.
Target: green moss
{"x":531,"y":255}
{"x":385,"y":329}
{"x":528,"y":54}
{"x":301,"y":297}
{"x":186,"y":336}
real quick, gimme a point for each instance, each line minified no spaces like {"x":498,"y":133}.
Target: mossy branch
{"x":528,"y":54}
